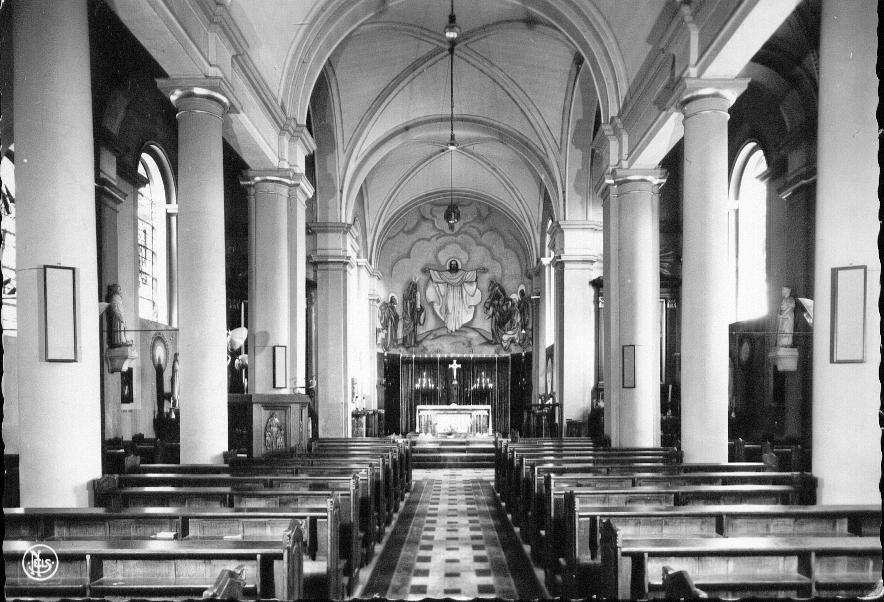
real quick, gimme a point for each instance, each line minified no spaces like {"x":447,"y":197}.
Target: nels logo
{"x":40,"y":562}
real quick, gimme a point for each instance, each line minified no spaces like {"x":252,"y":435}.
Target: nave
{"x":453,"y":539}
{"x":355,"y":519}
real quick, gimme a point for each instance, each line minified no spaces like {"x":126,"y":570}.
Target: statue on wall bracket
{"x":454,"y":293}
{"x":413,"y":314}
{"x":120,"y":353}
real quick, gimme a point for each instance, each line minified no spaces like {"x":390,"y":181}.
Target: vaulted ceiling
{"x":535,"y":81}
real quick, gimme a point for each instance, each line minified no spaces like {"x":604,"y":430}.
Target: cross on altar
{"x":454,"y":367}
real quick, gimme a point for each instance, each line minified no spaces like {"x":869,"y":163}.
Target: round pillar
{"x":269,"y":308}
{"x":705,"y":299}
{"x":638,"y":233}
{"x":202,"y":290}
{"x":60,"y":408}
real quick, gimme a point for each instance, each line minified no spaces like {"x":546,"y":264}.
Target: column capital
{"x":575,"y":238}
{"x":299,"y":136}
{"x":211,"y":95}
{"x":618,"y":177}
{"x":296,"y":183}
{"x":694,"y":95}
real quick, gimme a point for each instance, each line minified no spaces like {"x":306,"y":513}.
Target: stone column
{"x":202,"y":292}
{"x":269,"y":304}
{"x":298,"y":144}
{"x":60,"y":407}
{"x":634,"y":213}
{"x":846,"y":397}
{"x":704,"y":341}
{"x":577,"y":253}
{"x":538,"y":336}
{"x":172,"y":213}
{"x":333,"y":266}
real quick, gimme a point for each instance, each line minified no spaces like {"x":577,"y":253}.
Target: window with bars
{"x":152,"y":255}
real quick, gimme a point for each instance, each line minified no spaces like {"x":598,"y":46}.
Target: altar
{"x":440,"y":420}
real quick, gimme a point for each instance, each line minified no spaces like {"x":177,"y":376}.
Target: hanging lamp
{"x":452,"y":32}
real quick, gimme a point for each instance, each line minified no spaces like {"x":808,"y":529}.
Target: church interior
{"x":440,"y":299}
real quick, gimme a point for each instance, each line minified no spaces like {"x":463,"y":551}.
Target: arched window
{"x":7,"y":241}
{"x":747,"y":235}
{"x":153,"y":244}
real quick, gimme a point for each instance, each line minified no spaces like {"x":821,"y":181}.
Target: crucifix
{"x":454,"y":367}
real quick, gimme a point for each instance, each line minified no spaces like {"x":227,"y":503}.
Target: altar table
{"x":454,"y":419}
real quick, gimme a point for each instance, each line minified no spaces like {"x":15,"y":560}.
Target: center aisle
{"x":453,"y":539}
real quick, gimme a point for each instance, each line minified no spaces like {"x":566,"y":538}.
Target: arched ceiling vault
{"x":515,"y":73}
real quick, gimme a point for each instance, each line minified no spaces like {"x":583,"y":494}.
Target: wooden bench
{"x":392,"y":461}
{"x":328,"y":479}
{"x":582,"y":533}
{"x":740,"y":566}
{"x":228,"y":497}
{"x":531,"y":487}
{"x":403,"y":444}
{"x":803,"y":482}
{"x":320,"y":527}
{"x":552,"y":539}
{"x":515,"y":481}
{"x":166,"y":569}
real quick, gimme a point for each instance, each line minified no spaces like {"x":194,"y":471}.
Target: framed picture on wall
{"x":60,"y":313}
{"x":628,"y":366}
{"x":848,"y":327}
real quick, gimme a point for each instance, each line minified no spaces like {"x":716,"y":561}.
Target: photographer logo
{"x":40,"y":562}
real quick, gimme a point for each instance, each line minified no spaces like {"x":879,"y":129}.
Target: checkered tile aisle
{"x":451,"y":541}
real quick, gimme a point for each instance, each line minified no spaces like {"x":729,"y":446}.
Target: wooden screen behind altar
{"x":455,"y":379}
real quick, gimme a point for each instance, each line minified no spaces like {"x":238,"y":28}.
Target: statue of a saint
{"x":176,"y":381}
{"x":524,"y":305}
{"x":389,"y":320}
{"x":786,"y":319}
{"x":115,"y":320}
{"x":454,"y":293}
{"x":412,"y":314}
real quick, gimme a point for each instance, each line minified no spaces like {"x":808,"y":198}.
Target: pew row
{"x":229,"y":497}
{"x":550,"y":548}
{"x":320,"y":527}
{"x":165,"y":569}
{"x":582,"y":532}
{"x":740,"y":566}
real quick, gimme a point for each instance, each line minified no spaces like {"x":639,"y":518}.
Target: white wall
{"x":846,"y":437}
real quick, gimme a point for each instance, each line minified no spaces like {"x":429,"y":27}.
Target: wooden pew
{"x":377,"y":469}
{"x":167,"y":569}
{"x":552,"y":541}
{"x":517,"y":459}
{"x":404,"y":445}
{"x":520,"y":465}
{"x":320,"y":526}
{"x":327,"y":478}
{"x":582,"y":533}
{"x":531,"y":487}
{"x":390,"y":454}
{"x":228,"y":497}
{"x":804,"y":483}
{"x":740,"y":566}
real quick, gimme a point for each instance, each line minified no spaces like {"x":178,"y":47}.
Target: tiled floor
{"x":452,"y":539}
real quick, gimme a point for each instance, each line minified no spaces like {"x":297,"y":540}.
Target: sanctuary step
{"x":441,"y":452}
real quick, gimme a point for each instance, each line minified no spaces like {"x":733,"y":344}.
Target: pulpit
{"x":260,"y":423}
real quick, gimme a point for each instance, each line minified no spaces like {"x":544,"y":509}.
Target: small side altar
{"x":439,"y":420}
